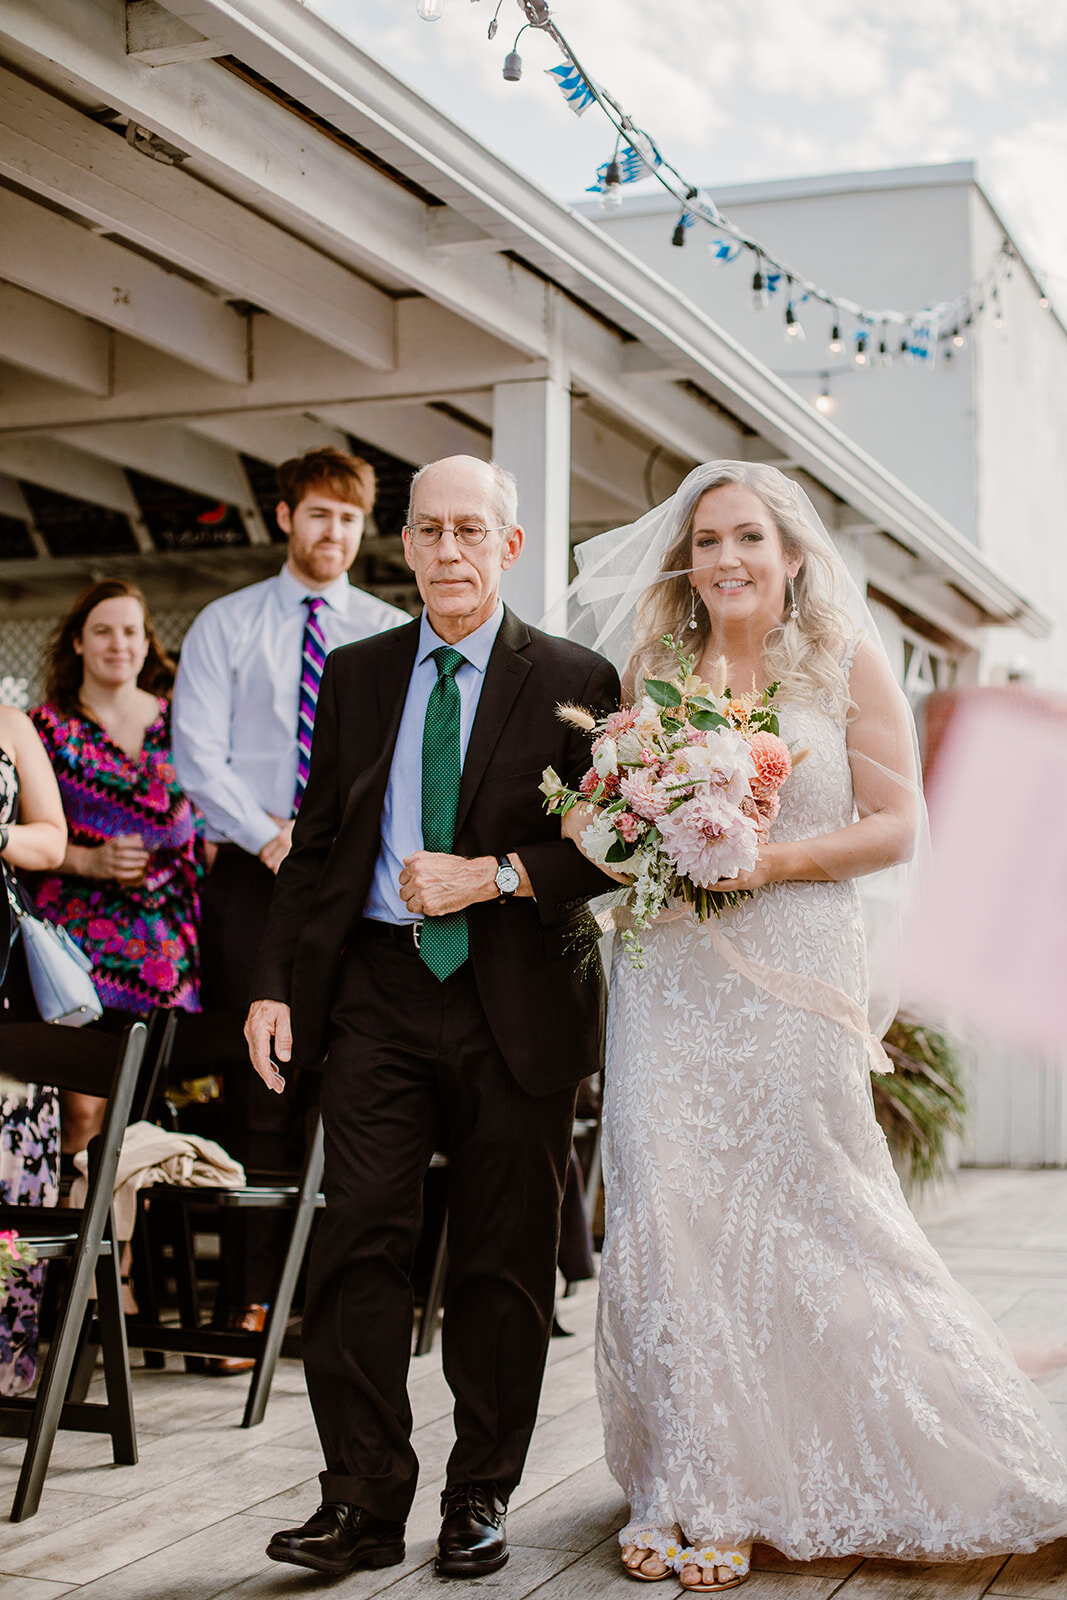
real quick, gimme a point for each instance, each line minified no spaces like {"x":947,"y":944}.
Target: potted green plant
{"x":922,"y":1103}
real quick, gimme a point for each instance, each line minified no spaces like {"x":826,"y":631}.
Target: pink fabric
{"x":987,"y":943}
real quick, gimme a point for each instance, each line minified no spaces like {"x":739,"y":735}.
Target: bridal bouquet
{"x":686,"y":784}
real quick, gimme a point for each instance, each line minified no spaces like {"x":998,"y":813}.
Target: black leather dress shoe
{"x":338,"y":1539}
{"x":472,"y":1540}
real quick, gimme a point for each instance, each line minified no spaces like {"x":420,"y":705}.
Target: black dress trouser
{"x":413,"y":1066}
{"x":261,"y":1129}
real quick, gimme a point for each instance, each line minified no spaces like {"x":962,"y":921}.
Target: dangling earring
{"x":692,"y":605}
{"x":793,"y":612}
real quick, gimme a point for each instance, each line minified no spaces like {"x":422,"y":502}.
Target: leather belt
{"x":404,"y":934}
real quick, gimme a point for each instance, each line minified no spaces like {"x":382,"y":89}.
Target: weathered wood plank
{"x":1041,"y":1576}
{"x":922,"y":1580}
{"x":32,"y":1589}
{"x":577,"y":1514}
{"x":137,"y":1527}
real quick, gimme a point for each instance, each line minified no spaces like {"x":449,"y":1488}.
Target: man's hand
{"x":432,"y":884}
{"x":275,"y":850}
{"x":267,"y":1020}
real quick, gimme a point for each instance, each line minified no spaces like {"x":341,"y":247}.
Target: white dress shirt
{"x":237,"y":696}
{"x":402,"y":810}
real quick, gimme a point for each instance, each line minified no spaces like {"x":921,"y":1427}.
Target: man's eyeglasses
{"x":467,"y":533}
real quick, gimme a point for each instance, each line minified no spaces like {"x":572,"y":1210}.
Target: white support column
{"x":532,"y":438}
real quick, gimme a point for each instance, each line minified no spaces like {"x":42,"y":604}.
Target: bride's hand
{"x":767,"y":870}
{"x":574,"y":825}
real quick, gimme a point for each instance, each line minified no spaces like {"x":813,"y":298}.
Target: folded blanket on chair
{"x":155,"y":1155}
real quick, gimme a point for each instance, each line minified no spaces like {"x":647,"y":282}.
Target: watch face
{"x":507,"y":880}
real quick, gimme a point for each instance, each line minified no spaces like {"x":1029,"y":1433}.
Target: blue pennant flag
{"x":632,"y":167}
{"x":771,"y":280}
{"x":573,"y":87}
{"x":724,"y":251}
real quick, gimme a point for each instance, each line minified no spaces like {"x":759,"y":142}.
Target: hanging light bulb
{"x":824,"y":400}
{"x":611,"y":193}
{"x":678,"y":236}
{"x":512,"y":67}
{"x":836,"y":342}
{"x":958,"y":339}
{"x":793,"y":329}
{"x":760,"y":298}
{"x":430,"y":10}
{"x":884,"y":358}
{"x":998,"y":315}
{"x":1044,"y":302}
{"x":860,"y":358}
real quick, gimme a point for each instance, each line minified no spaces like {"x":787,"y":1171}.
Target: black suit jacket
{"x":543,"y":1001}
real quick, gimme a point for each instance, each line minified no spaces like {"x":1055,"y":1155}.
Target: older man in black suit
{"x":426,"y":932}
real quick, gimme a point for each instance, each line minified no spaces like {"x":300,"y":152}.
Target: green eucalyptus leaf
{"x":661,"y":693}
{"x":704,"y":721}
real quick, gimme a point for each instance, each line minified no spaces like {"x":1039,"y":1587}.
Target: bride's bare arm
{"x":884,"y":781}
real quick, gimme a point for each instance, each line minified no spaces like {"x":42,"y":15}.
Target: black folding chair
{"x":93,"y":1063}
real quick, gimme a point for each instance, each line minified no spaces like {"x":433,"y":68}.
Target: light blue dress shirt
{"x":402,"y":811}
{"x":236,"y":701}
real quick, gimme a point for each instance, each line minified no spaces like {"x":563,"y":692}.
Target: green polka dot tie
{"x":443,"y":944}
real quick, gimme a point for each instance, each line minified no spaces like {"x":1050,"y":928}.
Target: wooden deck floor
{"x":191,"y":1520}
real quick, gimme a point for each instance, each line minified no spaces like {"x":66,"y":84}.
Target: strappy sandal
{"x":651,"y":1546}
{"x":711,"y":1560}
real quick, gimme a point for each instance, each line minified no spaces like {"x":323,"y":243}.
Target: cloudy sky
{"x":734,"y":90}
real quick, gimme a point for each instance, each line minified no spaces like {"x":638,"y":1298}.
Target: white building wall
{"x":1020,"y":383}
{"x":895,"y":241}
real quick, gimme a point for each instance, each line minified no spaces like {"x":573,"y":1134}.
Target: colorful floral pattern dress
{"x":29,"y":1174}
{"x":142,"y":938}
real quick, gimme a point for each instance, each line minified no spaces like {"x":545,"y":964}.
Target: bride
{"x":782,"y":1356}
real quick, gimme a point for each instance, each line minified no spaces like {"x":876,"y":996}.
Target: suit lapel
{"x":504,"y":676}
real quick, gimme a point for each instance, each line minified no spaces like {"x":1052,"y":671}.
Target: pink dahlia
{"x":621,"y":721}
{"x":708,"y":839}
{"x":639,"y":791}
{"x":590,"y":782}
{"x":628,"y":827}
{"x":772,"y":761}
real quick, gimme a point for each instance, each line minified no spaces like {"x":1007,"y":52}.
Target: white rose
{"x":598,"y":839}
{"x":606,"y":758}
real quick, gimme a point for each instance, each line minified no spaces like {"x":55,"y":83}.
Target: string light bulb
{"x":678,"y":236}
{"x":793,"y":329}
{"x":860,"y":358}
{"x":998,"y":315}
{"x":430,"y":10}
{"x":836,"y":342}
{"x":824,"y":400}
{"x":512,"y":67}
{"x":958,"y":339}
{"x":1044,"y":302}
{"x":611,"y":193}
{"x":760,"y":298}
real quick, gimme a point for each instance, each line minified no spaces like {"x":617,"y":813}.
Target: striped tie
{"x":312,"y":661}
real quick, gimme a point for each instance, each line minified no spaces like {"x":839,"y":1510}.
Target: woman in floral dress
{"x":32,"y":836}
{"x":127,"y":888}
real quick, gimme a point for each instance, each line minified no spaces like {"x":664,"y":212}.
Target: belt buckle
{"x":416,"y":934}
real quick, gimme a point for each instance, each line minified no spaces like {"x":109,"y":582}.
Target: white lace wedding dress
{"x":782,"y":1356}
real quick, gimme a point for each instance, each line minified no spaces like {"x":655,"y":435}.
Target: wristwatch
{"x":507,"y":879}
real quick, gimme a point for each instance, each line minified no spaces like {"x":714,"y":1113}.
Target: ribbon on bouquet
{"x":807,"y":994}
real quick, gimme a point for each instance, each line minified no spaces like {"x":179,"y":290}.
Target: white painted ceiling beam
{"x":175,"y":455}
{"x":270,"y":436}
{"x":57,"y":258}
{"x":74,"y":162}
{"x":160,"y":39}
{"x":43,"y":337}
{"x":66,"y":470}
{"x":414,"y":433}
{"x":438,"y":356}
{"x":244,"y":142}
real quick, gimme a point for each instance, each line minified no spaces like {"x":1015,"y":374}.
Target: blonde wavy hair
{"x":804,"y":656}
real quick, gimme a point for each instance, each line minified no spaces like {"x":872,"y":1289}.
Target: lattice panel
{"x":23,"y":644}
